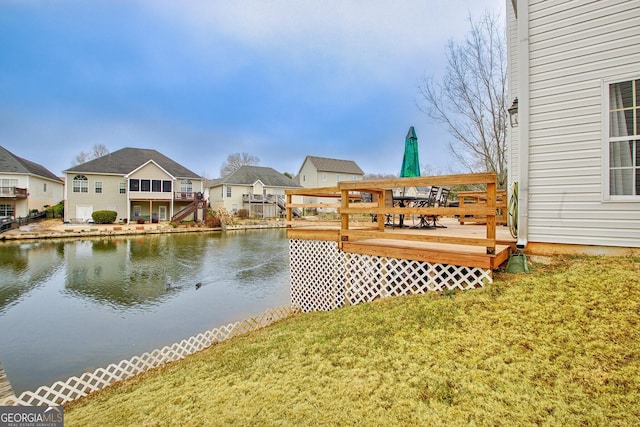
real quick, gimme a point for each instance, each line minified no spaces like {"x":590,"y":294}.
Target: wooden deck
{"x":429,"y":251}
{"x":485,"y":246}
{"x":5,"y":386}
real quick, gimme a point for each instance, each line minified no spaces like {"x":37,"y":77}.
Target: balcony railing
{"x":13,"y":192}
{"x":258,"y":198}
{"x":187,"y":196}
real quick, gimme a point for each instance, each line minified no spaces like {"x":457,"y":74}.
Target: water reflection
{"x":23,"y":267}
{"x":71,"y":306}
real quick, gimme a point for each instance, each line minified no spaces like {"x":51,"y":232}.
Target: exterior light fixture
{"x":513,"y":113}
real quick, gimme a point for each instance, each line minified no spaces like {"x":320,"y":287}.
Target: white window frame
{"x":82,"y":185}
{"x":97,"y":187}
{"x":122,"y":188}
{"x":607,"y":140}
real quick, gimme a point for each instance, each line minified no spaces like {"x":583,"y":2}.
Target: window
{"x":44,"y":187}
{"x":228,"y":191}
{"x":337,"y":178}
{"x":7,"y":186}
{"x":624,"y":138}
{"x":80,"y":184}
{"x":186,"y":186}
{"x":134,"y":185}
{"x":156,"y":185}
{"x":324,"y":176}
{"x":145,"y":185}
{"x":6,"y":210}
{"x":123,"y":188}
{"x":137,"y":211}
{"x":166,"y":186}
{"x":98,"y":187}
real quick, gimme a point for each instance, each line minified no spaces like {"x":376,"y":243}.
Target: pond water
{"x":67,"y":307}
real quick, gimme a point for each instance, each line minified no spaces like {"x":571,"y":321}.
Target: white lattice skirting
{"x":324,"y":278}
{"x":62,"y":392}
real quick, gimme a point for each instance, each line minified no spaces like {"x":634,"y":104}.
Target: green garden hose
{"x":512,"y":210}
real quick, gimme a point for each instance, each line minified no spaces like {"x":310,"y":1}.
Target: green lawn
{"x":560,"y":346}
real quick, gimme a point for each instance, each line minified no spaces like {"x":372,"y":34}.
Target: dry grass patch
{"x":560,"y":346}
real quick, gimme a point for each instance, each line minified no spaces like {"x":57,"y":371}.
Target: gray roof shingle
{"x":10,"y":163}
{"x":126,"y":160}
{"x":335,"y":165}
{"x":248,"y":175}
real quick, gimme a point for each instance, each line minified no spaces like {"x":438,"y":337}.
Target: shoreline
{"x":43,"y":232}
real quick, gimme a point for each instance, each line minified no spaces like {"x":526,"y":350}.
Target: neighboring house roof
{"x":334,"y":165}
{"x":248,"y":175}
{"x":10,"y":163}
{"x":126,"y":160}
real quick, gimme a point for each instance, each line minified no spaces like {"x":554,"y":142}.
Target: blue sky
{"x":200,"y":80}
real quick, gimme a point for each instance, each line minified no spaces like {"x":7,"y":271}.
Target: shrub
{"x":212,"y":220}
{"x":243,"y":213}
{"x":56,"y":211}
{"x":104,"y":217}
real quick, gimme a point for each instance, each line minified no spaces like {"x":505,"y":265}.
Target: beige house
{"x":324,"y":172}
{"x":139,"y":184}
{"x":26,"y":186}
{"x":259,"y":190}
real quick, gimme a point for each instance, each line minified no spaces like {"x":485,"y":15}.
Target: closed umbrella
{"x":410,"y":161}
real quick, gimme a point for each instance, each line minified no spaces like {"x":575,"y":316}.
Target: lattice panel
{"x":62,"y":392}
{"x":317,"y":268}
{"x":324,"y":278}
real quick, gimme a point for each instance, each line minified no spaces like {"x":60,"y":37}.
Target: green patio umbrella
{"x":410,"y":162}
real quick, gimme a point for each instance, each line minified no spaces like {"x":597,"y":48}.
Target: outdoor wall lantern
{"x":513,"y":113}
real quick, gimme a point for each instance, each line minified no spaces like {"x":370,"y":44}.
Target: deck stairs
{"x":189,"y":209}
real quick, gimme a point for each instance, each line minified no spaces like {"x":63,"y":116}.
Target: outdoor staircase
{"x":188,"y":210}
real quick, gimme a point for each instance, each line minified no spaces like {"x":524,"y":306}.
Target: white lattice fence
{"x":65,"y":391}
{"x":317,"y":268}
{"x":324,"y":278}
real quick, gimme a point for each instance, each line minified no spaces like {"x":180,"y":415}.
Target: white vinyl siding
{"x":575,"y":47}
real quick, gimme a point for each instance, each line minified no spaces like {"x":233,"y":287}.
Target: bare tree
{"x":234,"y":161}
{"x":98,"y":150}
{"x":471,"y":100}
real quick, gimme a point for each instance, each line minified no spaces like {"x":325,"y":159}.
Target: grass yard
{"x":560,"y":346}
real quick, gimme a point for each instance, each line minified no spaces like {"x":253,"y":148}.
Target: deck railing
{"x":14,"y":192}
{"x":187,"y":196}
{"x":348,"y":195}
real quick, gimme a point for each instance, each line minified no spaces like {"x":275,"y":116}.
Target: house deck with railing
{"x":368,"y":254}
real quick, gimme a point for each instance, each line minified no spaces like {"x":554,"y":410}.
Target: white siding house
{"x":26,"y":186}
{"x":575,"y":70}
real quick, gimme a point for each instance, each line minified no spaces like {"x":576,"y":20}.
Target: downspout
{"x":128,"y":201}
{"x":523,"y":124}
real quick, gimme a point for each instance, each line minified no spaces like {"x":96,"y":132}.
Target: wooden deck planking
{"x":438,"y":250}
{"x":5,"y":386}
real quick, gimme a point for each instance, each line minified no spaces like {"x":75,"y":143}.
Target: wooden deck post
{"x":381,"y":203}
{"x":344,"y":203}
{"x":491,"y":217}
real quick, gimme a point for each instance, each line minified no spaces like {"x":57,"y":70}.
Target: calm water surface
{"x":67,"y":307}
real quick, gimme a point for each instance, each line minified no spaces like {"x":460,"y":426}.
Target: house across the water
{"x":26,"y":186}
{"x":139,"y":184}
{"x":259,"y":190}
